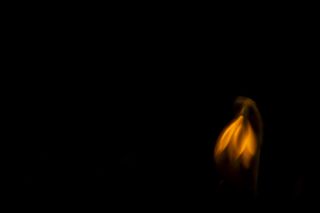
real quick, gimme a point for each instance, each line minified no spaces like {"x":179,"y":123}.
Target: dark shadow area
{"x":142,"y":129}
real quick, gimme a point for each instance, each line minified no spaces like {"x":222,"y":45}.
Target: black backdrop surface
{"x":143,"y":119}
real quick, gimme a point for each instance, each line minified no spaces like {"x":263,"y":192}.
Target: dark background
{"x":78,"y":143}
{"x":164,"y":95}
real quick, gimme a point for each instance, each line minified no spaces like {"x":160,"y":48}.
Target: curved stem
{"x":246,"y":105}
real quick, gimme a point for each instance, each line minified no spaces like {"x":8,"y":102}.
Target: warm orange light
{"x":237,"y":143}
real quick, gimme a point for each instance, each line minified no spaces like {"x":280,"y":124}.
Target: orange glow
{"x":237,"y":142}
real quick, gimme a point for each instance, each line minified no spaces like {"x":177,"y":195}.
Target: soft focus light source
{"x":239,"y":141}
{"x":238,"y":146}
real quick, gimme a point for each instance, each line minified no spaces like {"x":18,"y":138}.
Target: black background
{"x":162,"y":94}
